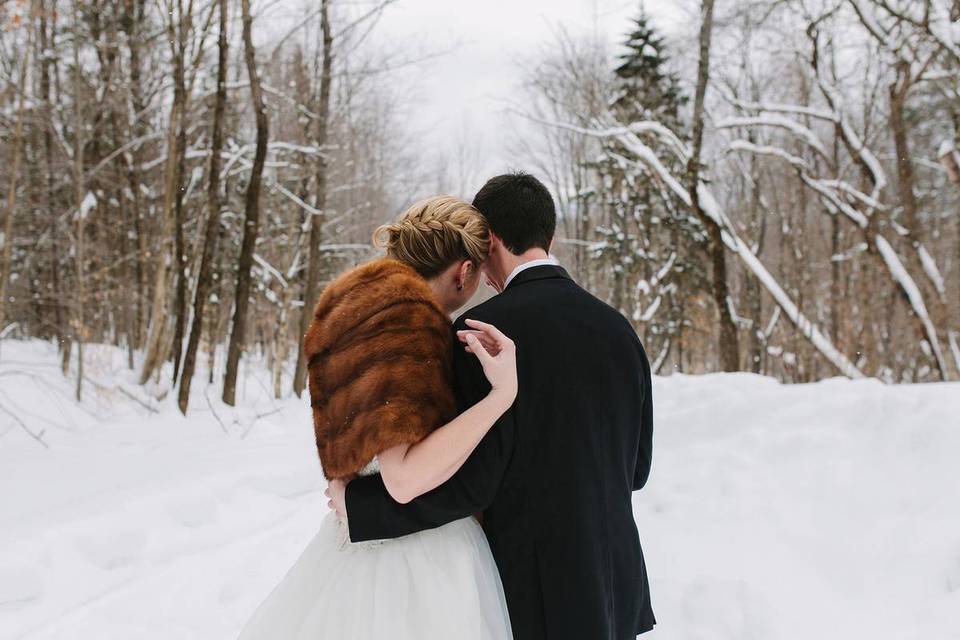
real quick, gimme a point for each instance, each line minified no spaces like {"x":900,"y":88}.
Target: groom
{"x":554,"y":476}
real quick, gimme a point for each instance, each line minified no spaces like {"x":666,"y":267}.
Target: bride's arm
{"x":410,"y":470}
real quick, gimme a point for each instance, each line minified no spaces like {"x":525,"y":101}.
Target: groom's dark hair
{"x":520,"y":211}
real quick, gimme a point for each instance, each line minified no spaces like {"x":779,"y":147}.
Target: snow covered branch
{"x":642,"y":156}
{"x":826,"y":189}
{"x":794,"y":127}
{"x":910,"y":288}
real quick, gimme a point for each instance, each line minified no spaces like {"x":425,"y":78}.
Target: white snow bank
{"x":774,"y":512}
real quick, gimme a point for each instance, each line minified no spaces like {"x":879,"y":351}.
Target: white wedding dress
{"x":440,"y":584}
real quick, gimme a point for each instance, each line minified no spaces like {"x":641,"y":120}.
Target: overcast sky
{"x":464,"y":90}
{"x":474,"y":68}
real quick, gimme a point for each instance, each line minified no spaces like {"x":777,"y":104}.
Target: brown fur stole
{"x":380,"y":365}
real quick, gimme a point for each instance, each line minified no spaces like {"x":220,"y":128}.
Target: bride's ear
{"x":463,"y":273}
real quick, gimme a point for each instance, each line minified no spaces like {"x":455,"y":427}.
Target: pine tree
{"x":647,"y":89}
{"x":648,"y":237}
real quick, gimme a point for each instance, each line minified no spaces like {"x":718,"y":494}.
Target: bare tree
{"x":204,"y":277}
{"x":251,"y":222}
{"x":808,"y":199}
{"x":161,"y":323}
{"x":82,"y":202}
{"x":14,"y":175}
{"x":320,"y":203}
{"x":727,"y":340}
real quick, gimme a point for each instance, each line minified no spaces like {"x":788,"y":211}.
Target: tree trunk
{"x":215,"y":314}
{"x":180,"y":259}
{"x":80,"y":196}
{"x":316,"y":221}
{"x":899,"y":91}
{"x":14,"y":175}
{"x":750,"y":285}
{"x":135,"y":11}
{"x":204,"y":277}
{"x":251,"y":215}
{"x":63,"y":332}
{"x":729,"y":348}
{"x":179,"y":251}
{"x":873,"y":230}
{"x":157,"y":347}
{"x":898,"y":96}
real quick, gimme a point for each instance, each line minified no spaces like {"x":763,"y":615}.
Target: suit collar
{"x":540,"y":272}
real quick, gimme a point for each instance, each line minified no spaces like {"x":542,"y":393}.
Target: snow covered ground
{"x":774,"y":512}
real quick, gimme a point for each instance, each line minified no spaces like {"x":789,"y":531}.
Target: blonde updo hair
{"x":434,"y":233}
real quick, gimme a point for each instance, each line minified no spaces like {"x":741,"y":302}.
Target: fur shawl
{"x":379,"y":354}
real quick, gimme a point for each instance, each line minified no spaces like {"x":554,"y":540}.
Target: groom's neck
{"x":514,"y":261}
{"x":508,"y":262}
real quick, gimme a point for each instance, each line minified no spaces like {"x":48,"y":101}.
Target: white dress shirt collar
{"x":549,"y":260}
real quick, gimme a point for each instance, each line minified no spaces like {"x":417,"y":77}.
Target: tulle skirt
{"x":440,"y":584}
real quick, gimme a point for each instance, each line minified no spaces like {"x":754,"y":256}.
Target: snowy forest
{"x":775,"y":191}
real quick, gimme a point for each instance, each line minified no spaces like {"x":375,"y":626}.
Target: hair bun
{"x":434,"y":233}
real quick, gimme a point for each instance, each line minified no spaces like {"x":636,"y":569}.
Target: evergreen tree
{"x":647,"y":89}
{"x":655,"y":268}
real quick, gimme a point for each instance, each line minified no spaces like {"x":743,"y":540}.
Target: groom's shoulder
{"x":511,"y":306}
{"x":489,"y":310}
{"x":608,"y":316}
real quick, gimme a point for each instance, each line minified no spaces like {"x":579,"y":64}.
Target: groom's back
{"x":561,"y":526}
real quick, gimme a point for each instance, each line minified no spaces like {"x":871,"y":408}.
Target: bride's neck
{"x":442,"y":295}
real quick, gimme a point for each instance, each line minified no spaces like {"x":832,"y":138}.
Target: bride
{"x":380,"y":350}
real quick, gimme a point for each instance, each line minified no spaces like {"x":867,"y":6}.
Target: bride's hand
{"x":337,"y":493}
{"x":497,"y":355}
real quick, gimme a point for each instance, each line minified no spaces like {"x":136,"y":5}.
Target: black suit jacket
{"x":554,"y":476}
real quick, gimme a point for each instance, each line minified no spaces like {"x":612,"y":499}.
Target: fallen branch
{"x":35,"y":436}
{"x":223,"y":427}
